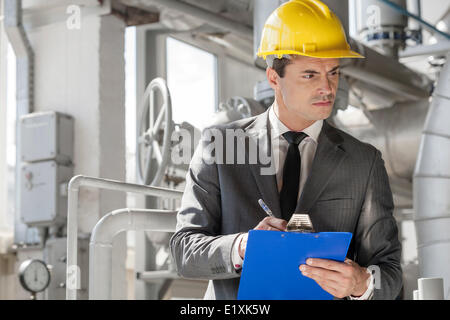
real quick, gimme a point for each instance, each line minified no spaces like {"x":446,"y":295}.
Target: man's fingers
{"x":323,"y":275}
{"x":329,"y":285}
{"x":266,"y":227}
{"x":330,"y":265}
{"x":276,"y":223}
{"x":331,"y":290}
{"x":272,"y":223}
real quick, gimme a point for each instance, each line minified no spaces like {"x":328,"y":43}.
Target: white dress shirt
{"x":307,"y":149}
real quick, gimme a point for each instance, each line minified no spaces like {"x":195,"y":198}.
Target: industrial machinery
{"x":161,"y":140}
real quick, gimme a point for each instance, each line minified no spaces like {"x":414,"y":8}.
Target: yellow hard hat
{"x":305,"y":27}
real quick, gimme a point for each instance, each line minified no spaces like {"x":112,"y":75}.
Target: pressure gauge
{"x":34,"y":275}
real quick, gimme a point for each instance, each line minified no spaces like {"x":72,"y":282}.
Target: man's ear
{"x":272,"y":77}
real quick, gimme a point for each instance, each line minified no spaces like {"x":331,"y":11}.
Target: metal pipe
{"x":442,"y":47}
{"x":414,"y":26}
{"x":24,"y":87}
{"x":431,"y":186}
{"x":100,"y":247}
{"x":24,"y":56}
{"x":72,"y":275}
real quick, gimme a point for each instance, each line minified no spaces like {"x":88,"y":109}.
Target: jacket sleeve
{"x":376,"y":237}
{"x":198,"y":248}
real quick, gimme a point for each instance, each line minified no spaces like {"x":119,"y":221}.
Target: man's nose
{"x":325,"y":86}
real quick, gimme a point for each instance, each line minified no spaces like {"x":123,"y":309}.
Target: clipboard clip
{"x":300,"y":223}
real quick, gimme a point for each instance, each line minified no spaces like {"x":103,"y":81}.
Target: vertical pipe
{"x":72,"y":276}
{"x":24,"y":87}
{"x":414,"y":26}
{"x":24,"y":56}
{"x":100,"y":271}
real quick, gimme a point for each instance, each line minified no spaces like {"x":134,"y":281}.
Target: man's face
{"x":308,"y":88}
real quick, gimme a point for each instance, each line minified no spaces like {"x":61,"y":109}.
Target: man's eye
{"x":335,"y":73}
{"x":308,"y":76}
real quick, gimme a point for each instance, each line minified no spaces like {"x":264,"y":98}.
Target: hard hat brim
{"x":319,"y":54}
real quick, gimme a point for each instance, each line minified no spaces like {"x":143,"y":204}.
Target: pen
{"x":265,"y":207}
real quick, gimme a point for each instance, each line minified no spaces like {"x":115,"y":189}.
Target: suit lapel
{"x":329,"y":155}
{"x":265,"y":179}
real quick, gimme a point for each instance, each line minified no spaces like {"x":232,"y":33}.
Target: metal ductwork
{"x":24,"y":55}
{"x":24,"y":93}
{"x":432,"y":186}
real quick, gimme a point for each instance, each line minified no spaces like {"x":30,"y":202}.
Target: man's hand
{"x":268,"y":223}
{"x":341,"y":279}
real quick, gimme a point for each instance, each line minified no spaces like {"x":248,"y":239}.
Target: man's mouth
{"x":322,"y":103}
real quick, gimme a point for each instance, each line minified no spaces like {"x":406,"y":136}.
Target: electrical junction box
{"x":46,"y":136}
{"x":43,"y":193}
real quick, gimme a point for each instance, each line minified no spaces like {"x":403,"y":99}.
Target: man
{"x":339,"y":181}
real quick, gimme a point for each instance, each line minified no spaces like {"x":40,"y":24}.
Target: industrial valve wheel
{"x":154,"y":143}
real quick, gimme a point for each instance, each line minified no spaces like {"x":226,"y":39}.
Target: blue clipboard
{"x":272,"y":259}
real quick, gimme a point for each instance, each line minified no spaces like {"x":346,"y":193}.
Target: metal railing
{"x":72,"y":273}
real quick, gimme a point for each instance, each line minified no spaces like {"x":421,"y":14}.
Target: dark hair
{"x":279,"y":65}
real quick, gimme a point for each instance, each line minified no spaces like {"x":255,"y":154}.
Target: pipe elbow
{"x":108,"y":226}
{"x":132,"y":219}
{"x":75,"y":182}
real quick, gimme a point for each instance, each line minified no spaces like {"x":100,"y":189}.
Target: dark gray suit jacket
{"x":347,"y":190}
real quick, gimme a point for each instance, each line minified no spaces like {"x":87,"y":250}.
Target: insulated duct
{"x":431,"y":186}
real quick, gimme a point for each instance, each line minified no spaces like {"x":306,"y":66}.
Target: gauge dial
{"x":34,"y":275}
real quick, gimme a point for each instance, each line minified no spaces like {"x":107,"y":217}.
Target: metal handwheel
{"x":153,"y":143}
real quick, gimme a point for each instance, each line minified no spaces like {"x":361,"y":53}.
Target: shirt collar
{"x":278,"y":127}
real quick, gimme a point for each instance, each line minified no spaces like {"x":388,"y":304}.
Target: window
{"x":192,"y":82}
{"x":130,"y":102}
